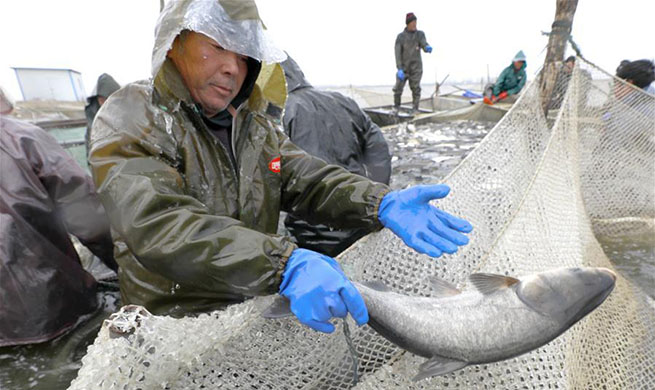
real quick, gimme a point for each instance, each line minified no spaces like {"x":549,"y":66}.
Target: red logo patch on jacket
{"x":275,"y":165}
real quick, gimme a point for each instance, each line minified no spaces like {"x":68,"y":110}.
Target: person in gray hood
{"x":409,"y":44}
{"x":104,"y":88}
{"x":332,"y":127}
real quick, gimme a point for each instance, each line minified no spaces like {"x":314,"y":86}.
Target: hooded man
{"x":193,"y":173}
{"x":332,"y":127}
{"x":509,"y":83}
{"x":44,"y":197}
{"x":104,"y":88}
{"x":409,"y":44}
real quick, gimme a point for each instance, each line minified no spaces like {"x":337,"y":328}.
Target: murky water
{"x":422,"y":155}
{"x":53,"y":365}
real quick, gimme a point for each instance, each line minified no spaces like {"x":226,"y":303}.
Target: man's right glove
{"x":400,"y":74}
{"x":318,"y":290}
{"x":423,"y":227}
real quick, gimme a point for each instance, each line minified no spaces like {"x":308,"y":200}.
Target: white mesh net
{"x":535,"y":189}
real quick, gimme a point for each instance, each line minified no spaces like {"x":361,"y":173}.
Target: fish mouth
{"x":608,"y":272}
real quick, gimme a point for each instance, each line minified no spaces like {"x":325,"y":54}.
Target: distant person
{"x":104,"y":88}
{"x":630,"y":112}
{"x":331,"y":126}
{"x":564,"y":77}
{"x":640,"y":73}
{"x":409,"y":44}
{"x":631,"y":106}
{"x":509,"y":83}
{"x":44,"y":196}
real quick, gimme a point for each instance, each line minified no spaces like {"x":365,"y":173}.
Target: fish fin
{"x":280,"y":308}
{"x":376,"y":285}
{"x":490,"y":283}
{"x":438,"y":365}
{"x":442,"y":287}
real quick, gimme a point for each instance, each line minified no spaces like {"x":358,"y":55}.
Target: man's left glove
{"x":423,"y":227}
{"x":318,"y":290}
{"x":428,"y":49}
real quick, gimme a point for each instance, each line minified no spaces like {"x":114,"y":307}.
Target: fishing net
{"x":537,"y":189}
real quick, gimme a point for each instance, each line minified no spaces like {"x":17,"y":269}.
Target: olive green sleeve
{"x":169,"y":232}
{"x":327,"y":194}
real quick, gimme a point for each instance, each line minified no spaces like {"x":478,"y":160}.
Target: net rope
{"x":537,"y":189}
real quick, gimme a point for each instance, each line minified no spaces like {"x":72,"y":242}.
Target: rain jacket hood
{"x":44,"y":197}
{"x":520,"y":56}
{"x":294,"y":75}
{"x":105,"y":87}
{"x":234,"y":24}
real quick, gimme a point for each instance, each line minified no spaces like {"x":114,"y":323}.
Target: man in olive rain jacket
{"x":193,"y":173}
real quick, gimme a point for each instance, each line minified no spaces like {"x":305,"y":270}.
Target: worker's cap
{"x":410,"y":17}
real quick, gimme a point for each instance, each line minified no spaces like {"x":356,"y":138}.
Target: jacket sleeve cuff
{"x":284,"y":258}
{"x":379,"y":196}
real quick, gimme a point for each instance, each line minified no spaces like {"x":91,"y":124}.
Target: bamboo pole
{"x":560,"y":31}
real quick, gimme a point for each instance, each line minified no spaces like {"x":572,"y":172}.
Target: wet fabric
{"x":105,"y":87}
{"x":44,"y":196}
{"x":234,"y":24}
{"x":332,"y":127}
{"x":511,"y":80}
{"x":408,"y":58}
{"x":194,"y":232}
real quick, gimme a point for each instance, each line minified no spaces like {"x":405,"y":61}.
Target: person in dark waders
{"x":409,"y":44}
{"x":193,"y":171}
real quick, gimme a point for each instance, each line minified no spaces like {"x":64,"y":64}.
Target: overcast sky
{"x":336,"y":42}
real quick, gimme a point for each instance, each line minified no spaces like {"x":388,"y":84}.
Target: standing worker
{"x":193,"y":172}
{"x":509,"y":83}
{"x":408,"y":61}
{"x":331,"y":126}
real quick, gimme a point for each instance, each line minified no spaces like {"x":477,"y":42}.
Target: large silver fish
{"x":502,"y":317}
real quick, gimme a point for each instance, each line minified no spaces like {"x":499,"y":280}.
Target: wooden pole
{"x":560,"y":31}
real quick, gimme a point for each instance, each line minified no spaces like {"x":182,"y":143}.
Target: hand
{"x":400,"y":74}
{"x":501,"y":96}
{"x":421,"y":226}
{"x":318,"y":290}
{"x":428,"y":49}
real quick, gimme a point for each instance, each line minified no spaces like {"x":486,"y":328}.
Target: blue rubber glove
{"x":428,"y":49}
{"x":318,"y":290}
{"x":423,"y":227}
{"x":400,"y":74}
